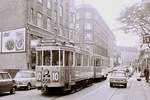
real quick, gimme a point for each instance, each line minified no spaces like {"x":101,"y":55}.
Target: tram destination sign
{"x":146,"y":39}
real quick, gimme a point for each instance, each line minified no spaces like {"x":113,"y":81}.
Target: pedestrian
{"x":146,"y":74}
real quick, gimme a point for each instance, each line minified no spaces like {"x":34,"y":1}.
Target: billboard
{"x":13,"y":40}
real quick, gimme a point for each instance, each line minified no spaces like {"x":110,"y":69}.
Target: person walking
{"x":146,"y":74}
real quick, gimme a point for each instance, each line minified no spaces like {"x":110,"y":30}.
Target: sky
{"x":110,"y":11}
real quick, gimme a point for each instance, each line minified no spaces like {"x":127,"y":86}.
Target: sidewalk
{"x":139,"y":90}
{"x":142,"y":87}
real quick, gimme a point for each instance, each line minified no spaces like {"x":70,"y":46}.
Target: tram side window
{"x":91,"y":61}
{"x":46,"y":58}
{"x":102,"y":62}
{"x":71,"y":59}
{"x":85,"y":60}
{"x":68,"y":58}
{"x":39,"y":63}
{"x":98,"y":62}
{"x":55,"y":57}
{"x":78,"y":59}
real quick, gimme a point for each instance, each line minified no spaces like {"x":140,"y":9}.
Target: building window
{"x":31,"y":15}
{"x":61,"y":1}
{"x":55,"y":1}
{"x":77,"y":26}
{"x":61,"y":10}
{"x":88,"y":26}
{"x":77,"y":16}
{"x":40,"y":1}
{"x":49,"y":4}
{"x":71,"y":34}
{"x":39,"y":19}
{"x":48,"y":24}
{"x":88,"y":15}
{"x":88,"y":37}
{"x":55,"y":17}
{"x":61,"y":30}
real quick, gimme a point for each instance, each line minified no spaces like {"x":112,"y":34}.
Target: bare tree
{"x":136,"y":19}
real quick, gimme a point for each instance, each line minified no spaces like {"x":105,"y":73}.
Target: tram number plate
{"x":55,"y":76}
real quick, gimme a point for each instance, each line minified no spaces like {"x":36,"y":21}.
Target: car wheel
{"x":111,"y":85}
{"x":125,"y":85}
{"x":29,"y":86}
{"x":12,"y":91}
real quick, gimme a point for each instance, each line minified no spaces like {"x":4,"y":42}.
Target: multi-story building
{"x":93,"y":33}
{"x":26,"y":23}
{"x":128,"y":54}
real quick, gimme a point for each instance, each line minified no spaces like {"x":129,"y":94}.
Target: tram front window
{"x":39,"y":58}
{"x":55,"y":57}
{"x":68,"y":58}
{"x":46,"y":58}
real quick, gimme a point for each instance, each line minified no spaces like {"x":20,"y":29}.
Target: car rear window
{"x":119,"y":74}
{"x":4,"y":76}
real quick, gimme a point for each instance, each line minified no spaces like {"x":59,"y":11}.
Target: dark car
{"x":7,"y":84}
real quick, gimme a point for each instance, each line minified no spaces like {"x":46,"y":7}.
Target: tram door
{"x":68,"y":59}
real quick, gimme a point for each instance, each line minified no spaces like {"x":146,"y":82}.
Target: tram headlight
{"x":46,"y":72}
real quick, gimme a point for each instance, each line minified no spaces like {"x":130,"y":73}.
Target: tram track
{"x":112,"y":94}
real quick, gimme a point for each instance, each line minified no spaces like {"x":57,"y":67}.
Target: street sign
{"x":146,"y":39}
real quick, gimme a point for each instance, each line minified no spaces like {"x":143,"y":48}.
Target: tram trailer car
{"x":62,"y":67}
{"x":100,"y":67}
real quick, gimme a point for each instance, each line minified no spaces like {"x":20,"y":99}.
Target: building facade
{"x":128,"y":55}
{"x":36,"y":21}
{"x":93,"y":33}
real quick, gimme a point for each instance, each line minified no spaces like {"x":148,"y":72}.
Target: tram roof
{"x":54,"y":47}
{"x":61,"y":47}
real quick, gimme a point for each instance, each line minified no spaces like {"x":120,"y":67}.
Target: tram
{"x":62,"y":67}
{"x":100,"y":67}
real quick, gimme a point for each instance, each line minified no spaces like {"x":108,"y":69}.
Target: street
{"x":136,"y":90}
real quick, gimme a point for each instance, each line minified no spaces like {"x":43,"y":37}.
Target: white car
{"x":25,"y":79}
{"x":118,"y":78}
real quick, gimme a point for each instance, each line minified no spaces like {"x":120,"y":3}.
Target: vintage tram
{"x":65,"y":67}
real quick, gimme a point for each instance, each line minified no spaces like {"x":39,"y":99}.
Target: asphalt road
{"x":136,"y":90}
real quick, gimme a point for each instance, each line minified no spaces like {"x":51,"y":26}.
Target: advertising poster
{"x":13,"y":41}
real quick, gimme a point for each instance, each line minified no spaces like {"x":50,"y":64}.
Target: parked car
{"x":7,"y":84}
{"x":25,"y":79}
{"x":118,"y":78}
{"x":142,"y":74}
